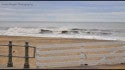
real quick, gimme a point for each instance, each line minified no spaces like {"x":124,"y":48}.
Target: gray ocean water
{"x":96,"y":30}
{"x":85,"y":25}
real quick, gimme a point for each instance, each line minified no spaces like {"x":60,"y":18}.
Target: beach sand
{"x":35,"y":41}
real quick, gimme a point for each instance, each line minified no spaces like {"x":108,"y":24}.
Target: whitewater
{"x":82,"y":30}
{"x":99,"y":34}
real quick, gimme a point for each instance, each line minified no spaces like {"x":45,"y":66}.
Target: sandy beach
{"x":35,"y":41}
{"x":62,"y":35}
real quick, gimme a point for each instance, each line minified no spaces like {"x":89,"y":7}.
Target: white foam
{"x":56,"y":33}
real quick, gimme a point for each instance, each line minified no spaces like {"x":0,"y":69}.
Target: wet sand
{"x":35,"y":41}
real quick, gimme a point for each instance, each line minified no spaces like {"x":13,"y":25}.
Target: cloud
{"x":119,"y":13}
{"x":69,"y":13}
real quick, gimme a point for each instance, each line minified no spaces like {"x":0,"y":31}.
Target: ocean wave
{"x":64,"y":33}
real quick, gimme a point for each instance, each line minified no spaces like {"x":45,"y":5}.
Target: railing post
{"x":81,"y":55}
{"x":26,"y":64}
{"x":10,"y":63}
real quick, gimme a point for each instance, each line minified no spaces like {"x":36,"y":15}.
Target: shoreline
{"x":58,"y":38}
{"x":66,"y":33}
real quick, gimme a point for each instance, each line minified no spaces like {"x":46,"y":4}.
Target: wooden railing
{"x":66,"y":55}
{"x":77,"y":54}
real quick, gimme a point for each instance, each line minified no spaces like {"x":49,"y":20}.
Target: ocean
{"x":83,"y":30}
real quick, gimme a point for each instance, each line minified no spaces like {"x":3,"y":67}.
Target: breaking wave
{"x":66,"y":33}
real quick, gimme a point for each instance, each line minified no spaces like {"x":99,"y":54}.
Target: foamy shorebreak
{"x":65,"y":33}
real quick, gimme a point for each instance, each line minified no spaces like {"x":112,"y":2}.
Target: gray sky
{"x":67,"y":11}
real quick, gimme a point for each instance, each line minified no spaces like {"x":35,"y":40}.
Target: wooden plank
{"x":59,"y":60}
{"x":97,"y":62}
{"x":106,"y":61}
{"x":61,"y":54}
{"x":103,"y":49}
{"x":57,"y":57}
{"x":78,"y":63}
{"x":81,"y":44}
{"x":74,"y":60}
{"x":105,"y":55}
{"x":60,"y":45}
{"x":79,"y":50}
{"x":58,"y":64}
{"x":116,"y":61}
{"x":112,"y":61}
{"x":91,"y":62}
{"x":57,"y":51}
{"x":59,"y":48}
{"x":102,"y":43}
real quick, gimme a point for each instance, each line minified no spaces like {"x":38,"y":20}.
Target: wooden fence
{"x":78,"y":54}
{"x":67,"y":55}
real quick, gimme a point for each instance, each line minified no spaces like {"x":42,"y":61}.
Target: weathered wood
{"x":57,"y":57}
{"x":59,"y":64}
{"x":81,"y":44}
{"x":82,"y":57}
{"x":57,"y":51}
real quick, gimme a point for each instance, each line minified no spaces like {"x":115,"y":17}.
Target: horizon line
{"x":51,"y":21}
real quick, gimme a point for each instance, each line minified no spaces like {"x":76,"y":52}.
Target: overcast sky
{"x":71,"y":11}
